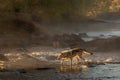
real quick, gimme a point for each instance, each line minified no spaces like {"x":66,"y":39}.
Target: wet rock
{"x":113,"y":62}
{"x":94,"y":64}
{"x":22,"y":71}
{"x":46,"y":68}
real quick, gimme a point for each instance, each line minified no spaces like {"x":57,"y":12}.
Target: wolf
{"x":73,"y":53}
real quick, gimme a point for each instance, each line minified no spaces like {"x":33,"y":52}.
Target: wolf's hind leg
{"x":78,"y":60}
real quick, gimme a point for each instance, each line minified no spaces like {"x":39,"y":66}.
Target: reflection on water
{"x":73,"y":68}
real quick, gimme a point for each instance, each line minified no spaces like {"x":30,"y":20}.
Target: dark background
{"x":60,"y":24}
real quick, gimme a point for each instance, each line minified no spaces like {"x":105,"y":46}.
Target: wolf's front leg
{"x":78,"y":60}
{"x":83,"y":60}
{"x":61,"y":61}
{"x":71,"y":61}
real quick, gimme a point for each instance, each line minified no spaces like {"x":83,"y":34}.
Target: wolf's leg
{"x":78,"y":59}
{"x":71,"y":63}
{"x":83,"y":60}
{"x":62,"y":62}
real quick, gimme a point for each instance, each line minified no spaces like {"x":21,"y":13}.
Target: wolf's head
{"x":84,"y":51}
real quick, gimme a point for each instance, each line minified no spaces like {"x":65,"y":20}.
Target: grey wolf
{"x":73,"y":53}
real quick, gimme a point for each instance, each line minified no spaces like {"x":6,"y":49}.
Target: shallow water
{"x":100,"y":72}
{"x":107,"y":71}
{"x":104,"y":71}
